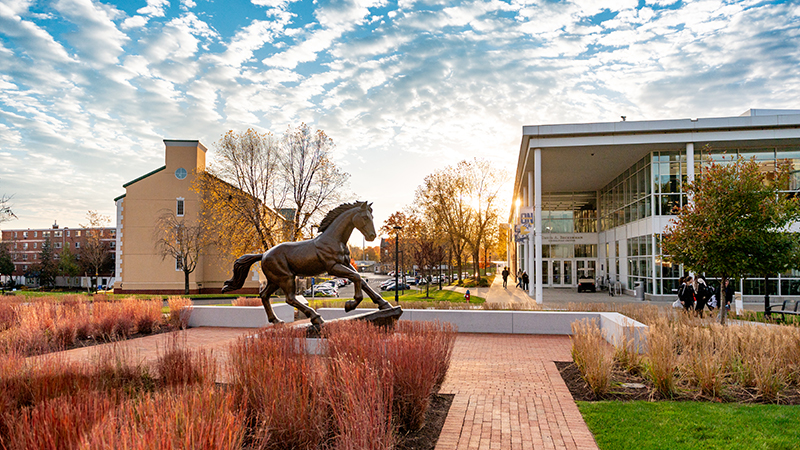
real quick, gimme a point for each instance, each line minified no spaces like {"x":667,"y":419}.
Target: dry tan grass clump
{"x":689,"y":357}
{"x":592,"y":355}
{"x":180,"y":308}
{"x":247,"y":301}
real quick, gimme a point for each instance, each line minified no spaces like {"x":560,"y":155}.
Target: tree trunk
{"x":185,"y":282}
{"x":766,"y":298}
{"x":723,"y":310}
{"x":476,"y":261}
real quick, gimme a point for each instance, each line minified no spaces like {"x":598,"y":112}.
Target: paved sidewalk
{"x":509,"y":395}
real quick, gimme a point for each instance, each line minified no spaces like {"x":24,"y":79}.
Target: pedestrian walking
{"x":686,"y":294}
{"x":525,"y":280}
{"x":519,"y":278}
{"x":702,"y":295}
{"x":505,"y":277}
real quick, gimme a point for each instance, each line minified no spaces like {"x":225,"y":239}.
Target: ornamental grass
{"x":247,"y":301}
{"x":592,"y":355}
{"x":691,"y":357}
{"x":54,"y":323}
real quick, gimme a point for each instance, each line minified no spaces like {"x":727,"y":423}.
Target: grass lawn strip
{"x":691,"y":425}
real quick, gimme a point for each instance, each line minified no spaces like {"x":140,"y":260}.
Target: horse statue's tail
{"x":240,"y":270}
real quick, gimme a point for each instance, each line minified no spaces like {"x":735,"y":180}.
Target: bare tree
{"x":264,"y":190}
{"x":236,"y":190}
{"x":94,"y":253}
{"x":312,"y":184}
{"x":182,"y":242}
{"x":5,"y":209}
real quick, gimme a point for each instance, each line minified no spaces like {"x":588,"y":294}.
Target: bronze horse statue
{"x":327,"y":252}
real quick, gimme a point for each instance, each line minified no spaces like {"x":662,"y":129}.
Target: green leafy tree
{"x":737,"y":223}
{"x":68,"y":265}
{"x":47,"y":265}
{"x":6,"y":262}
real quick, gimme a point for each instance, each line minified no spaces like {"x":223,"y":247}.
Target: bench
{"x":784,"y":309}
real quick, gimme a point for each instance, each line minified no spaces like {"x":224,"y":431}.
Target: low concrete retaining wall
{"x":615,"y":326}
{"x":237,"y":316}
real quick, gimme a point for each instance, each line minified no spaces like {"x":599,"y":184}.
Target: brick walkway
{"x":509,"y":395}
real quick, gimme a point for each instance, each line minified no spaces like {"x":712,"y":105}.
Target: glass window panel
{"x":545,"y":268}
{"x":561,"y":250}
{"x":790,"y":287}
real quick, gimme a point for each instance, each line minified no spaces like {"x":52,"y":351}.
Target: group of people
{"x":522,"y":278}
{"x":695,"y":294}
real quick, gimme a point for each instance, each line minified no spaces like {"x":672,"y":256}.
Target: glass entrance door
{"x":562,"y":273}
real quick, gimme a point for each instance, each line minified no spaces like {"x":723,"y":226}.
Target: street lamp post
{"x":396,"y":260}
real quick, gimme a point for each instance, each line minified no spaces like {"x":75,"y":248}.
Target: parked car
{"x":399,"y":287}
{"x":322,"y":290}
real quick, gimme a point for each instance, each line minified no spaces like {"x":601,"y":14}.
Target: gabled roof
{"x":144,"y":176}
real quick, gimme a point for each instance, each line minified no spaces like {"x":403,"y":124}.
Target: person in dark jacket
{"x":505,"y":277}
{"x":525,"y":280}
{"x":703,"y":295}
{"x":728,"y":294}
{"x":686,"y":294}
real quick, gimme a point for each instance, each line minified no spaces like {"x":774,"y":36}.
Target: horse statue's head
{"x":363,"y":221}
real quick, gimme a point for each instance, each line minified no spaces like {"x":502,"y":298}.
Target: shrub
{"x":283,"y":388}
{"x":702,"y":363}
{"x":178,"y":366}
{"x":592,"y":355}
{"x":247,"y":301}
{"x":9,"y":314}
{"x":194,"y":418}
{"x":180,"y":308}
{"x":661,"y":357}
{"x":148,"y":315}
{"x":58,"y":423}
{"x":360,"y":402}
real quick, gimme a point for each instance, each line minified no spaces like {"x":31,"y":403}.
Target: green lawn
{"x":405,"y":296}
{"x":692,"y":425}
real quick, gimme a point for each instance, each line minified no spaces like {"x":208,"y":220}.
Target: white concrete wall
{"x":237,"y":316}
{"x":615,"y":326}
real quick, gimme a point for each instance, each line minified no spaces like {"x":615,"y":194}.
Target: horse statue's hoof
{"x":277,"y":322}
{"x":385,"y":305}
{"x":318,"y":321}
{"x":350,"y":305}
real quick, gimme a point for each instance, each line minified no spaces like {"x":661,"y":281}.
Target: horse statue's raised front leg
{"x":349,"y":272}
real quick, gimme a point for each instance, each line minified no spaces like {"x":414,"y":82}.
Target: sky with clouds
{"x":89,"y":89}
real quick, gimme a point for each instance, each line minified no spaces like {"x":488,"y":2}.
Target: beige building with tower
{"x":139,"y":266}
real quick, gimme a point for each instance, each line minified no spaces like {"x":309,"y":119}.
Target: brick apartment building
{"x":25,"y":247}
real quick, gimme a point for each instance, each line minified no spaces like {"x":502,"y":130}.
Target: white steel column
{"x":526,"y":243}
{"x":537,"y":205}
{"x":689,"y":164}
{"x":529,"y":266}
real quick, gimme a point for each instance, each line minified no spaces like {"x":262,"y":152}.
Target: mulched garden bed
{"x":426,"y":438}
{"x":731,"y":394}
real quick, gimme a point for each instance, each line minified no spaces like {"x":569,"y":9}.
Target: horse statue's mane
{"x":336,"y":212}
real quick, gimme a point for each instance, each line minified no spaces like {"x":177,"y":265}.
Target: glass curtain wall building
{"x":608,"y":191}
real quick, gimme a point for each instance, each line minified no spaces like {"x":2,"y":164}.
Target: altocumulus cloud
{"x":88,"y":88}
